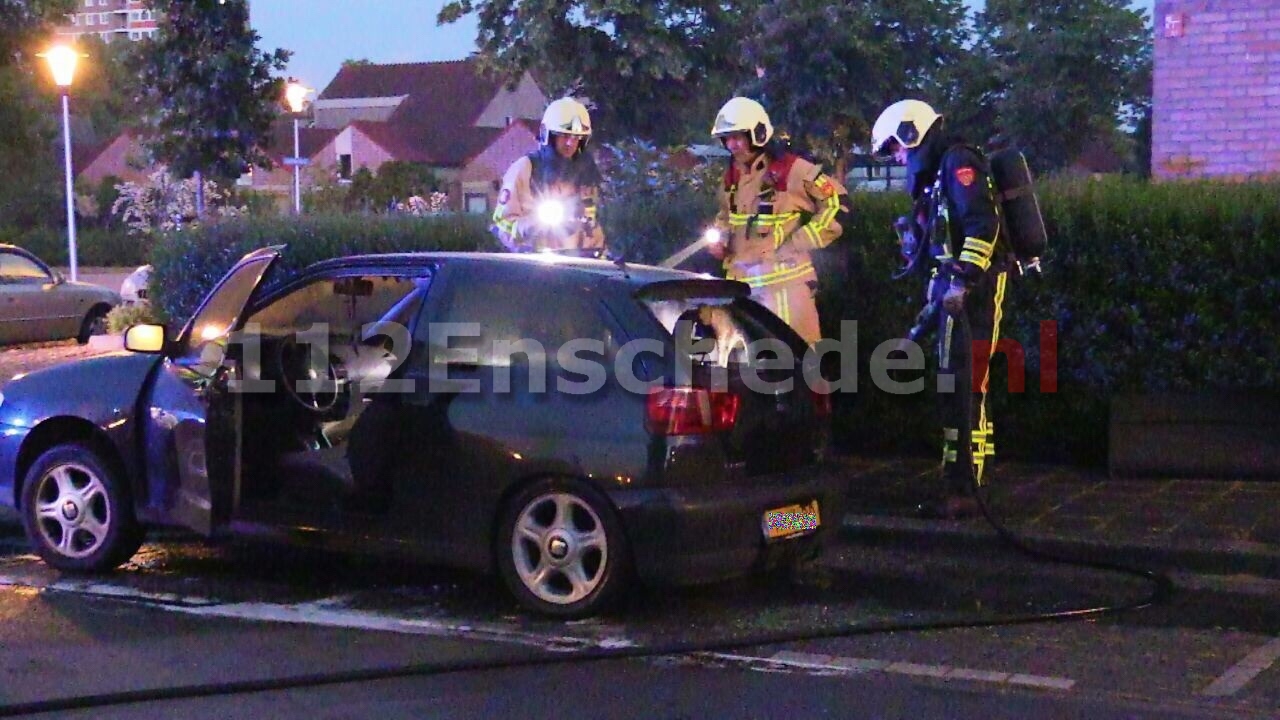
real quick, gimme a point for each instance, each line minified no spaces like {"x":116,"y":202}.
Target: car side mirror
{"x":58,"y":277}
{"x":145,"y":339}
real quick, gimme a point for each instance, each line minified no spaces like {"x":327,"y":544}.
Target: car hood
{"x":105,"y":293}
{"x":99,"y":389}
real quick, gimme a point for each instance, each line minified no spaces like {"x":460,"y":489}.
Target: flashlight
{"x":551,"y":212}
{"x":711,"y":236}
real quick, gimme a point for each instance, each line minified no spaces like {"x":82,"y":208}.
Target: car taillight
{"x":691,"y":411}
{"x":820,"y":393}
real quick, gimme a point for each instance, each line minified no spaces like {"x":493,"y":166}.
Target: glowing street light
{"x":295,"y":94}
{"x":62,"y":61}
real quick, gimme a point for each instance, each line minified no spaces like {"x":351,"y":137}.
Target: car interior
{"x":329,"y":347}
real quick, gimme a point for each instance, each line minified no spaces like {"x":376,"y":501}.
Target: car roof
{"x":633,"y":274}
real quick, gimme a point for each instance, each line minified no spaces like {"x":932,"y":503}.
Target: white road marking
{"x":1240,"y":674}
{"x":329,"y":612}
{"x":852,"y":666}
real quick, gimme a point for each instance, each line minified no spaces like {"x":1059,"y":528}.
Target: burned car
{"x":572,"y":425}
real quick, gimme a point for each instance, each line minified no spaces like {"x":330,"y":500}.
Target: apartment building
{"x":110,"y":20}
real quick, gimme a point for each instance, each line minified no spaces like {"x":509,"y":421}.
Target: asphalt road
{"x":184,"y":614}
{"x":187,"y":614}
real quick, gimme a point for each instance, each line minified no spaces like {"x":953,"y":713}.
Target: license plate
{"x":791,"y":520}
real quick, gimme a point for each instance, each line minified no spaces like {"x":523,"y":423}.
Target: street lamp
{"x":294,"y":93}
{"x":62,"y":61}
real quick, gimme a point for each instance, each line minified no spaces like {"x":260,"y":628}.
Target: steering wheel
{"x":312,"y":382}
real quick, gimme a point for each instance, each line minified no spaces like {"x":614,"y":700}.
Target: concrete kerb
{"x":1208,"y":557}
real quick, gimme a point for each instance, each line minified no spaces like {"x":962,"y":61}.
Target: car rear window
{"x":722,"y":330}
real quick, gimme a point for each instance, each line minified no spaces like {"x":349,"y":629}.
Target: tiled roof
{"x":310,"y":140}
{"x":436,"y":122}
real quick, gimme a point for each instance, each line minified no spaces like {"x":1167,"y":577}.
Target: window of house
{"x":104,"y":18}
{"x":88,"y":3}
{"x":476,"y":203}
{"x":135,"y":35}
{"x":344,"y":167}
{"x":75,"y":19}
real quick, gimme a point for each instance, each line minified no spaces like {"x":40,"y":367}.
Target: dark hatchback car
{"x":570,"y":424}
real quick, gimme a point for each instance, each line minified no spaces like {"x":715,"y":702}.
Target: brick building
{"x":1216,"y":95}
{"x":110,"y":20}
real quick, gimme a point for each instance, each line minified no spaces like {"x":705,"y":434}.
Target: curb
{"x":1206,"y":557}
{"x":106,"y":342}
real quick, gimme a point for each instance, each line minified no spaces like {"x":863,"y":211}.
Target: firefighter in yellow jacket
{"x":549,"y":198}
{"x":775,"y":208}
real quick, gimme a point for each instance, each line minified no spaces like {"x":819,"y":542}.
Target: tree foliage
{"x":104,"y":90}
{"x":1036,"y":71}
{"x":29,"y":179}
{"x":643,"y":63}
{"x":209,"y":93}
{"x":1060,"y":83}
{"x":825,"y":70}
{"x":22,"y":22}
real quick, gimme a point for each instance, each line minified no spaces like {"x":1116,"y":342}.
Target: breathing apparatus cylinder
{"x":1020,"y":206}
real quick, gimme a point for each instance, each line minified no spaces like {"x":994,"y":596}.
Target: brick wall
{"x":1216,"y":95}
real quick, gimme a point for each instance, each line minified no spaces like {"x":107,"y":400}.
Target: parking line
{"x":1240,"y":674}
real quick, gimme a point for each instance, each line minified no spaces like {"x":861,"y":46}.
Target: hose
{"x":1162,"y":588}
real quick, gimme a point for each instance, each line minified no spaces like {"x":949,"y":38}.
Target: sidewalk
{"x":1203,"y":526}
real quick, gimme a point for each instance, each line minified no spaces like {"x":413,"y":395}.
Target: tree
{"x":208,"y":92}
{"x":22,"y":21}
{"x":105,"y":89}
{"x":826,"y":70}
{"x":648,"y":65}
{"x":1064,"y":84}
{"x":29,"y":188}
{"x":30,"y":177}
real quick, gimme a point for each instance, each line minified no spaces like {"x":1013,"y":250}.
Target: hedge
{"x":190,"y":262}
{"x":1153,"y":288}
{"x":95,"y":247}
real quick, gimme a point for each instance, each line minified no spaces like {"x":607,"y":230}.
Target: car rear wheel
{"x":561,"y":550}
{"x":95,"y":323}
{"x":77,"y":512}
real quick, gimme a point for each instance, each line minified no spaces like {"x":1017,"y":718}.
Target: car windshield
{"x":342,"y":306}
{"x":718,"y":330}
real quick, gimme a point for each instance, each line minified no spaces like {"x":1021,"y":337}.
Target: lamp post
{"x":62,"y":61}
{"x":294,"y":93}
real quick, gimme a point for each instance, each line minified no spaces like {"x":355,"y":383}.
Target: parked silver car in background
{"x":37,"y":303}
{"x":136,"y":286}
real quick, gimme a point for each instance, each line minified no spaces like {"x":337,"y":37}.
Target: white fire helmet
{"x":906,"y":121}
{"x":743,"y":115}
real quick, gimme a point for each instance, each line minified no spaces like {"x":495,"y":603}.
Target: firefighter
{"x":549,"y":198}
{"x":775,"y":208}
{"x":955,"y":239}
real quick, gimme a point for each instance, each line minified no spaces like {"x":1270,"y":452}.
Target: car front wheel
{"x":77,"y":512}
{"x":561,"y":549}
{"x":94,"y":323}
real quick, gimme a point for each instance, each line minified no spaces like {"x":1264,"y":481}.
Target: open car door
{"x":192,"y":449}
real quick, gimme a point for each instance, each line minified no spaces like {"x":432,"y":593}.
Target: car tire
{"x":77,"y":512}
{"x":94,"y":323}
{"x":561,"y":550}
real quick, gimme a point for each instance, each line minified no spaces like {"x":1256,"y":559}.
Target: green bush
{"x":188,"y":263}
{"x":95,"y":247}
{"x":122,"y":317}
{"x":1153,"y":288}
